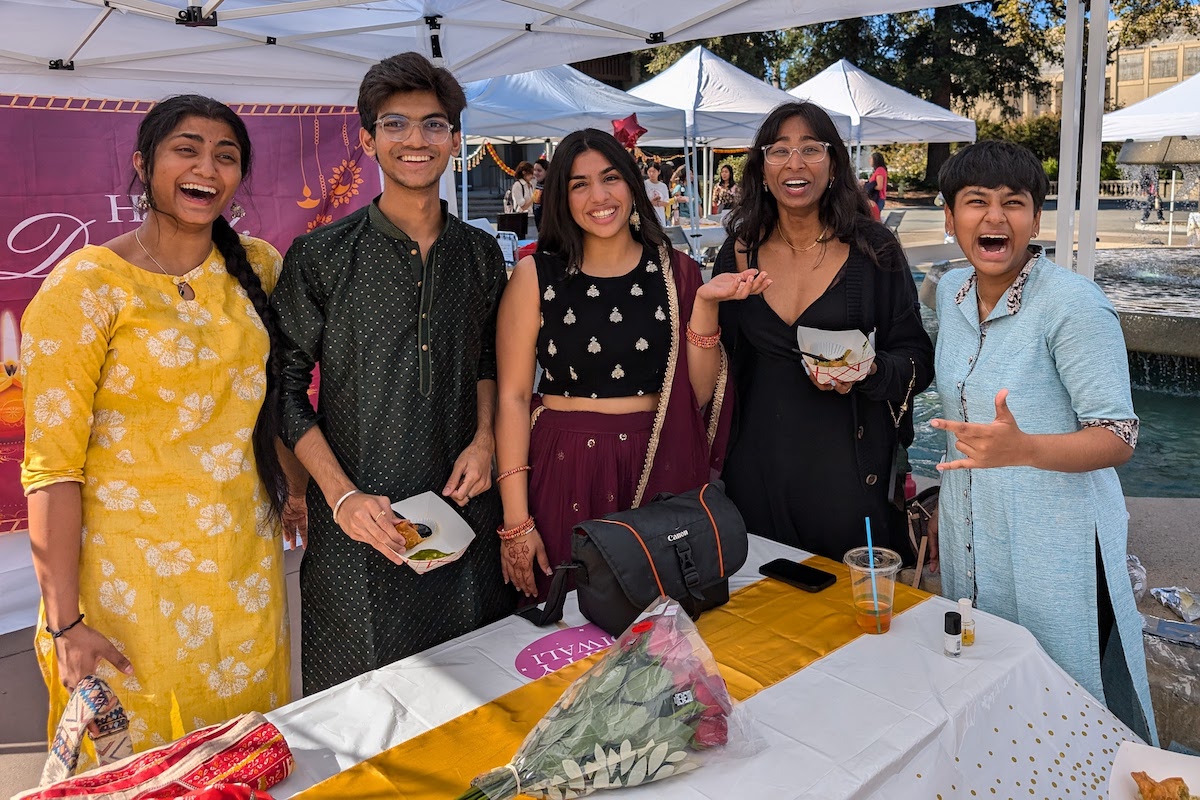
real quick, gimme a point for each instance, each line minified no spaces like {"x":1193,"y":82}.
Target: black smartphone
{"x":810,"y":579}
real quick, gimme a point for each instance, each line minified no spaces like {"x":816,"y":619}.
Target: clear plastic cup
{"x":873,"y":598}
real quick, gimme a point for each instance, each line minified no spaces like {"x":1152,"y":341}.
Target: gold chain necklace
{"x":819,"y":240}
{"x":180,"y":286}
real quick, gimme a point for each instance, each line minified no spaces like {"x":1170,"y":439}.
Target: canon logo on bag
{"x":674,"y":537}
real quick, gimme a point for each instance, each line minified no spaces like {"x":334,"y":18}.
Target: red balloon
{"x":627,"y":131}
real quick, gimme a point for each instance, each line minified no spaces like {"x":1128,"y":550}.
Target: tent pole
{"x":1171,"y":217}
{"x":463,"y":203}
{"x":1068,"y":153}
{"x":1093,"y":112}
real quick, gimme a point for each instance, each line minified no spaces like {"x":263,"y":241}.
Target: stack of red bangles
{"x":515,"y":532}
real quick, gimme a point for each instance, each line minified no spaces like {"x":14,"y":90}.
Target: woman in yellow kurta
{"x":154,"y":486}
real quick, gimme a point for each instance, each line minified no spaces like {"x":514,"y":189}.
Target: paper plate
{"x":1158,"y":764}
{"x":451,"y":534}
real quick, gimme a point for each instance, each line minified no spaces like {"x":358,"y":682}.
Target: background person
{"x":150,"y":463}
{"x":726,"y":192}
{"x":521,"y":194}
{"x":626,"y":335}
{"x":398,"y":303}
{"x":876,"y":185}
{"x":807,"y":462}
{"x":658,"y":192}
{"x":1034,"y":383}
{"x":539,"y":178}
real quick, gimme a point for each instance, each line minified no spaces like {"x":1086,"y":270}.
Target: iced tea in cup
{"x":873,"y":598}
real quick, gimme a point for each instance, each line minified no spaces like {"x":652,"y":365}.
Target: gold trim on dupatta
{"x":664,"y":396}
{"x":718,"y":398}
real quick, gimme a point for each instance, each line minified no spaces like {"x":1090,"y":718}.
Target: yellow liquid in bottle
{"x":968,"y":636}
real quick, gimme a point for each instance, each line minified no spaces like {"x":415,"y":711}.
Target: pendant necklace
{"x":819,"y":240}
{"x":180,"y":286}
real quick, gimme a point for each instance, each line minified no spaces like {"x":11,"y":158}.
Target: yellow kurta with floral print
{"x":148,"y":401}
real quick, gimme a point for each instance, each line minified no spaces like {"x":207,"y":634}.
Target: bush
{"x":1050,"y":165}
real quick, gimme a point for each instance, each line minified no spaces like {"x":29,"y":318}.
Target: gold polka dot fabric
{"x":149,"y":401}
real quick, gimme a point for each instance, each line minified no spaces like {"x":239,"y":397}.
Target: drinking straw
{"x":874,"y":589}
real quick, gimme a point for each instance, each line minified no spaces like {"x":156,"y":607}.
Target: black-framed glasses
{"x":396,"y":128}
{"x":810,"y":153}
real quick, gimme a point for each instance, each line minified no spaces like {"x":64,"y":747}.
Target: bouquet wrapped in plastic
{"x":654,"y":706}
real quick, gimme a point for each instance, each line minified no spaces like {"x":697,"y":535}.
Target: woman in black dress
{"x":807,"y":462}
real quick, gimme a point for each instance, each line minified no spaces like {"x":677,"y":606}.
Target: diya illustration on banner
{"x":74,"y":189}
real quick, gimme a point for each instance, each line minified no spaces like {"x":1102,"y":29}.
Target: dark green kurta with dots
{"x":402,"y":343}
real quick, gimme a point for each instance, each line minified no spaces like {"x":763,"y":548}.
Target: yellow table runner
{"x":768,"y":631}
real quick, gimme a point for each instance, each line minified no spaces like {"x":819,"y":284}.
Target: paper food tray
{"x":1158,"y":764}
{"x":832,"y":346}
{"x":451,"y":534}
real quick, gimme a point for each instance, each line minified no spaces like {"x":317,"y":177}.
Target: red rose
{"x":711,"y":732}
{"x":716,"y":703}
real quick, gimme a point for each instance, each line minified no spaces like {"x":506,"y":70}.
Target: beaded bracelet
{"x":513,"y":471}
{"x":517,"y":531}
{"x":338,"y":505}
{"x":57,"y":633}
{"x":704,"y":342}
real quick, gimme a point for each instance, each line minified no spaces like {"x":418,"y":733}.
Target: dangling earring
{"x":142,"y":203}
{"x":635,"y":220}
{"x":236,"y":212}
{"x":830,"y":186}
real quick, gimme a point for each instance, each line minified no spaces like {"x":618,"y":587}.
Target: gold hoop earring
{"x":236,"y":212}
{"x":635,"y":220}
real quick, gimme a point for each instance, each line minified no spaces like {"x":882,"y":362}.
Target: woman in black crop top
{"x":626,"y":336}
{"x":808,"y":462}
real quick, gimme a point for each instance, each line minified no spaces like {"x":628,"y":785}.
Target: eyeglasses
{"x":810,"y":153}
{"x":396,"y":128}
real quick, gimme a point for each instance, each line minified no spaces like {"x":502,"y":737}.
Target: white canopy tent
{"x":879,"y":112}
{"x":315,"y":51}
{"x":1174,"y":112}
{"x":724,"y":104}
{"x":552,"y":102}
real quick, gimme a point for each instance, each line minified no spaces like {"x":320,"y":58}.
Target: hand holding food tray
{"x":843,"y":356}
{"x":435,"y":535}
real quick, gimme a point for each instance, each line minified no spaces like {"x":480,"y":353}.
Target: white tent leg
{"x":1093,"y":119}
{"x":463,"y":205}
{"x":1068,"y":154}
{"x":1171,"y":217}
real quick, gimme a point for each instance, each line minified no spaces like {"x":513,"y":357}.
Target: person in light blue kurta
{"x":1034,"y":383}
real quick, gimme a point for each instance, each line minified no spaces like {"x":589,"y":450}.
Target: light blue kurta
{"x":1022,"y":541}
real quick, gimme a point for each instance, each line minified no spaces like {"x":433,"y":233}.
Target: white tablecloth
{"x":885,"y":717}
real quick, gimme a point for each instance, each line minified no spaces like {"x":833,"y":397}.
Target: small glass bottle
{"x":968,"y":622}
{"x":952,"y":641}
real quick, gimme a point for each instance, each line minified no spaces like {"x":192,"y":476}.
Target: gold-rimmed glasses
{"x":810,"y":153}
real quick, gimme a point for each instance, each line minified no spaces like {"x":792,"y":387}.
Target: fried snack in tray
{"x":841,"y":361}
{"x":1169,"y":789}
{"x":412,"y":532}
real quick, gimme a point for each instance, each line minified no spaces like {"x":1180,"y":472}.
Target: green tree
{"x":815,"y":47}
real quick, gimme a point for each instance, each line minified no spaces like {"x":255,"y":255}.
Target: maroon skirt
{"x":585,"y":466}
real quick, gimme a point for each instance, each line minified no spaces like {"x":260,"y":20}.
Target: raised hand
{"x":1000,"y":443}
{"x":734,"y":286}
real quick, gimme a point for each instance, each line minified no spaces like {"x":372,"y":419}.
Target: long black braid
{"x":159,"y":123}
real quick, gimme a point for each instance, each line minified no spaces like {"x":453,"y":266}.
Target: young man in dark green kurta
{"x":397,"y":302}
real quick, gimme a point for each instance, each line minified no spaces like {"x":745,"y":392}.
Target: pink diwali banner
{"x":67,"y":167}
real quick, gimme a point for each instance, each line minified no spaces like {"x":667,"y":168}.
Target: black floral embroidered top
{"x":602,"y":337}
